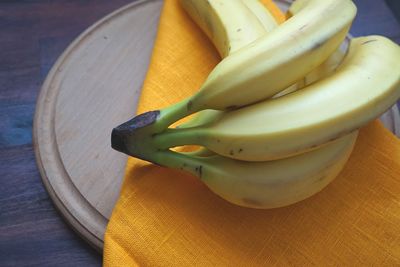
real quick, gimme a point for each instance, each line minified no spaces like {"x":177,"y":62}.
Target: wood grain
{"x":31,"y":232}
{"x":101,"y":83}
{"x":33,"y":34}
{"x":91,"y":88}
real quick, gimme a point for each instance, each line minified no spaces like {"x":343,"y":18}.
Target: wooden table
{"x":33,"y":34}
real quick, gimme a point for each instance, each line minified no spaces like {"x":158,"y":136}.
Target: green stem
{"x":179,"y":137}
{"x":172,"y":114}
{"x":135,"y":137}
{"x":179,"y":161}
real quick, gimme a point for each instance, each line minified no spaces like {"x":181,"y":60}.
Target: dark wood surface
{"x":33,"y":34}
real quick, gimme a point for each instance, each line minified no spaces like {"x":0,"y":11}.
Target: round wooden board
{"x":94,"y":86}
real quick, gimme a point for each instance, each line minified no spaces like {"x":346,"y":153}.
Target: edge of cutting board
{"x":82,"y":216}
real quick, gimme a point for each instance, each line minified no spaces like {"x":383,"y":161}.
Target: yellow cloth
{"x":169,"y":218}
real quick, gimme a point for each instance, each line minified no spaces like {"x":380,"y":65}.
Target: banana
{"x":296,"y":6}
{"x":198,"y":12}
{"x":267,"y":65}
{"x":262,"y":13}
{"x":365,"y":85}
{"x":240,"y":29}
{"x":270,"y":184}
{"x":230,"y":25}
{"x":276,"y":61}
{"x":327,"y":68}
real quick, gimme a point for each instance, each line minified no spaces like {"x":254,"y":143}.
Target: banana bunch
{"x":278,"y":117}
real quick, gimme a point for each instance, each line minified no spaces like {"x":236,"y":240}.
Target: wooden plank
{"x":32,"y":233}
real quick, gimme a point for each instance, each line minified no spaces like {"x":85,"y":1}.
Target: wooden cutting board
{"x":94,"y":86}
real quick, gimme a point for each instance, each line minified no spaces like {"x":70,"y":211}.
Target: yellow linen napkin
{"x":169,"y":218}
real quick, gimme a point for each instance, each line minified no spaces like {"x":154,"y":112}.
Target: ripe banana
{"x":269,"y":184}
{"x":268,"y":21}
{"x":269,"y":64}
{"x":365,"y":85}
{"x":327,"y":68}
{"x":232,"y":18}
{"x":230,"y":25}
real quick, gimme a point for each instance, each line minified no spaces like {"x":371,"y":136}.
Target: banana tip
{"x":118,"y":141}
{"x":121,"y":134}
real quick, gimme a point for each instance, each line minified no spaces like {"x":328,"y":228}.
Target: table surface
{"x":33,"y":34}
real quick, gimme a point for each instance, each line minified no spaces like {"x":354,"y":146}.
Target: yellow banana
{"x":262,"y":13}
{"x":327,"y":68}
{"x":269,"y":184}
{"x":230,"y":25}
{"x":276,"y":61}
{"x":365,"y":85}
{"x":237,"y":17}
{"x":269,"y":64}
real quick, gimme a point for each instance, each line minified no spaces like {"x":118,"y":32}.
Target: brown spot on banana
{"x":231,"y":107}
{"x":189,"y":105}
{"x":302,"y":27}
{"x":317,"y":45}
{"x":369,"y":41}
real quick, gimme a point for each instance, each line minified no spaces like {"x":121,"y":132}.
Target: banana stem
{"x":135,"y":137}
{"x":178,"y":161}
{"x":178,"y":137}
{"x":172,"y":114}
